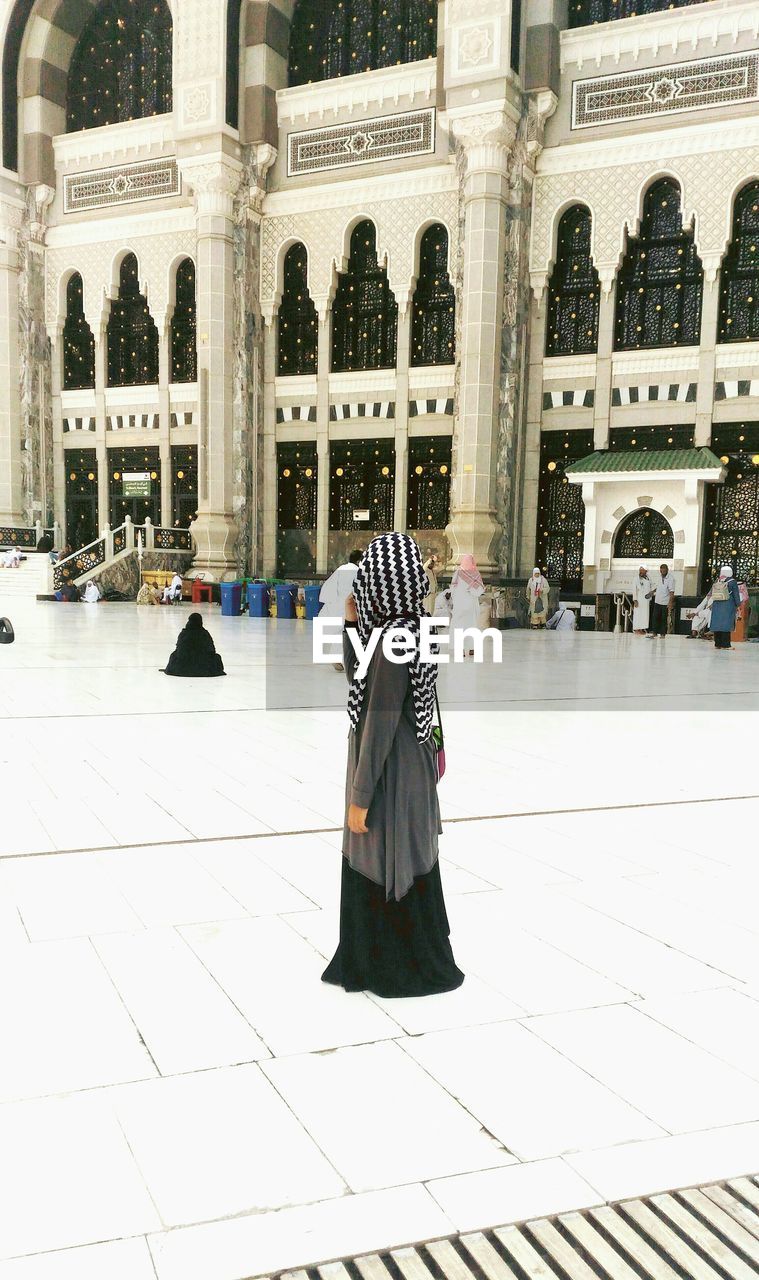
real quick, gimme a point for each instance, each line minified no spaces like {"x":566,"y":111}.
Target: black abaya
{"x":195,"y":654}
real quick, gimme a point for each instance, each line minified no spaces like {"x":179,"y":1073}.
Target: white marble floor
{"x":180,"y":1096}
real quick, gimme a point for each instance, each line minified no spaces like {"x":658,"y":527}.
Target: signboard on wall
{"x":136,"y":484}
{"x":360,"y":515}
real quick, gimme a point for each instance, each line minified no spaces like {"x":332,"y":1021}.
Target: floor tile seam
{"x":308,"y":831}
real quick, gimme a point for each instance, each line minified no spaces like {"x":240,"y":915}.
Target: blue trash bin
{"x":258,"y":600}
{"x":231,"y":599}
{"x":312,"y":601}
{"x":286,"y":593}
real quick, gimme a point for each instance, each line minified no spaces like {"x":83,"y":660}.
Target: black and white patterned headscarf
{"x":389,"y":590}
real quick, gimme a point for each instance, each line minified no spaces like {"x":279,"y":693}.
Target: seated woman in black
{"x":195,"y":654}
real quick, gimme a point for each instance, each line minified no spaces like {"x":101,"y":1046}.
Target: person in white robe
{"x":538,"y":593}
{"x":466,"y":588}
{"x":91,"y":593}
{"x":12,"y":558}
{"x":563,"y":620}
{"x":173,"y":591}
{"x":701,"y":620}
{"x":430,"y":565}
{"x":642,"y":593}
{"x":336,"y":589}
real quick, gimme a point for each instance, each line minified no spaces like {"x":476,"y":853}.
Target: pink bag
{"x":438,"y":741}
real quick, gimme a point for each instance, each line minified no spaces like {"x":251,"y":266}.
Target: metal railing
{"x":113,"y":542}
{"x":26,"y":536}
{"x":624,"y":606}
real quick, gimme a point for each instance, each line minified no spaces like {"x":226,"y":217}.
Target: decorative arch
{"x":38,"y":52}
{"x":183,"y":329}
{"x":345,"y":37}
{"x":298,"y":327}
{"x":574,"y":289}
{"x":132,"y":336}
{"x":78,"y":339}
{"x":433,"y":318}
{"x":660,"y":282}
{"x":644,"y":533}
{"x":365,"y":312}
{"x":738,"y":316}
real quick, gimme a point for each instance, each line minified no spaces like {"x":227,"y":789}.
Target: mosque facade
{"x":288,"y":274}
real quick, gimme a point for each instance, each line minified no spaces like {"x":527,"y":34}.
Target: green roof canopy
{"x":646,"y":460}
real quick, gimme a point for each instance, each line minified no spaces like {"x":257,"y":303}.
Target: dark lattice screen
{"x":660,"y":282}
{"x":584,"y":12}
{"x":78,"y":340}
{"x":184,"y":485}
{"x":561,"y":511}
{"x":132,"y":334}
{"x":233,"y":63}
{"x":364,"y":313}
{"x":731,"y":532}
{"x":433,"y":321}
{"x":341,"y":38}
{"x":677,"y":437}
{"x":184,"y":340}
{"x":81,"y":497}
{"x":644,"y":533}
{"x":146,"y":461}
{"x":739,"y":279}
{"x":429,"y":482}
{"x":361,"y":485}
{"x":296,"y":486}
{"x":573,"y":292}
{"x":298,"y":328}
{"x":121,"y":68}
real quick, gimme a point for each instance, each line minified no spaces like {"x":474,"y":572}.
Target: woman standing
{"x":537,"y":593}
{"x":726,"y":600}
{"x":394,"y":931}
{"x":466,"y":588}
{"x":430,"y":565}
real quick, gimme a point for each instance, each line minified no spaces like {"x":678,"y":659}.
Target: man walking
{"x":664,"y":602}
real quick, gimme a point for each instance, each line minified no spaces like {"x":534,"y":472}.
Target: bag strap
{"x":439,"y":717}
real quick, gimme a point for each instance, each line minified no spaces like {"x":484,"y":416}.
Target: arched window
{"x":365,"y":313}
{"x":433,"y":322}
{"x":644,"y":533}
{"x":184,"y":344}
{"x":739,"y":278}
{"x":132,"y":334}
{"x":298,"y":335}
{"x":573,"y":291}
{"x":660,"y":281}
{"x":342,"y":37}
{"x":78,"y":342}
{"x":233,"y":63}
{"x":121,"y":68}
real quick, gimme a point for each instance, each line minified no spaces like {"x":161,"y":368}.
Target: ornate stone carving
{"x":487,"y":140}
{"x":214,"y":183}
{"x":101,"y":188}
{"x":381,"y":138}
{"x":683,"y":86}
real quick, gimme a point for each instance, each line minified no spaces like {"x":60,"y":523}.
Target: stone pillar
{"x":707,"y":355}
{"x":164,"y":425}
{"x":270,"y":450}
{"x":603,"y":387}
{"x":487,"y":140}
{"x":324,"y":358}
{"x":401,"y":411}
{"x":214,"y":181}
{"x":101,"y":423}
{"x":11,"y":470}
{"x":59,"y":457}
{"x":533,"y":422}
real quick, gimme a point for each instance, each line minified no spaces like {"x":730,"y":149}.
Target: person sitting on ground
{"x":12,"y":558}
{"x":68,"y":593}
{"x":91,"y":593}
{"x":562,"y":620}
{"x":702,"y":618}
{"x":173,"y":591}
{"x":45,"y":543}
{"x":195,"y":654}
{"x":148,"y":594}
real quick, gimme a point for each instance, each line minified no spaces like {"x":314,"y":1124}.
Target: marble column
{"x":324,"y":357}
{"x":487,"y":140}
{"x":164,"y":424}
{"x":215,"y":182}
{"x":603,"y":385}
{"x":11,"y":470}
{"x":269,"y":550}
{"x":401,"y":410}
{"x":707,"y":355}
{"x":101,"y":423}
{"x":533,"y":423}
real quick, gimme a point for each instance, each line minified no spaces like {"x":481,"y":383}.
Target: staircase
{"x":28,"y":581}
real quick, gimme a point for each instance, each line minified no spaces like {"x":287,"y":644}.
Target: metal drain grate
{"x":708,"y":1233}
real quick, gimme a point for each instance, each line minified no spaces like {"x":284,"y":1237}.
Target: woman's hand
{"x":351,"y":613}
{"x":357,"y":819}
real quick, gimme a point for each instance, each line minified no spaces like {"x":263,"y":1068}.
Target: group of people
{"x":654,"y":602}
